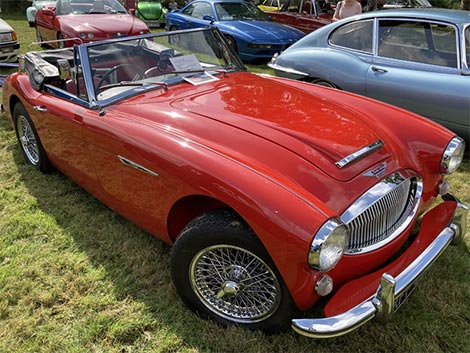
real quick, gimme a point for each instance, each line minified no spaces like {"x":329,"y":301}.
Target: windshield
{"x":127,"y":66}
{"x":229,"y":11}
{"x":79,"y":7}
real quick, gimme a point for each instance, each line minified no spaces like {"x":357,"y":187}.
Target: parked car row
{"x":276,"y":194}
{"x":415,"y":59}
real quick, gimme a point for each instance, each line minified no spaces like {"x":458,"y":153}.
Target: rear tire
{"x":28,"y":139}
{"x":223,"y":272}
{"x":324,"y":83}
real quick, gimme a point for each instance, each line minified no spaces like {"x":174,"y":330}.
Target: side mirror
{"x":208,"y":18}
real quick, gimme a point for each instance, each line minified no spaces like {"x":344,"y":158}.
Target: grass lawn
{"x":76,"y":277}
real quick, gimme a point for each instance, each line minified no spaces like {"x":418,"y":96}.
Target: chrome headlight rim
{"x":332,"y":238}
{"x":453,"y":155}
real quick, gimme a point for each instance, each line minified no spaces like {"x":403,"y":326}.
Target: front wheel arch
{"x":230,"y":291}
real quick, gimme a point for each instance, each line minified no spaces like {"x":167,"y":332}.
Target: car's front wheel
{"x":28,"y":139}
{"x":222,"y":271}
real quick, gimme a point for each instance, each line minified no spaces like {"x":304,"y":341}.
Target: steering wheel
{"x":138,"y":73}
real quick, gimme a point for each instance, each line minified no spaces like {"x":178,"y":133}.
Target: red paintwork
{"x":263,"y":146}
{"x":305,"y":22}
{"x":102,"y":26}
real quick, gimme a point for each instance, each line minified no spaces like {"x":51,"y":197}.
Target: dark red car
{"x":306,"y":15}
{"x":275,"y":193}
{"x":71,"y":22}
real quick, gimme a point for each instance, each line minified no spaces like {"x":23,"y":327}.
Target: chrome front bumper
{"x":392,"y":291}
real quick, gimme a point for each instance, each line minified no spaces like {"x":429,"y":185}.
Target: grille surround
{"x":382,"y":213}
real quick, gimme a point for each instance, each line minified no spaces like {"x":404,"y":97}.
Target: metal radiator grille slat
{"x":380,"y":219}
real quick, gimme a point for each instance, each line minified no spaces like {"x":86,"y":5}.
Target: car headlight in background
{"x":85,"y":36}
{"x":452,"y":156}
{"x":328,"y":245}
{"x":7,"y":36}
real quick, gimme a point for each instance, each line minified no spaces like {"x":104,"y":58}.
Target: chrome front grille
{"x":382,"y":213}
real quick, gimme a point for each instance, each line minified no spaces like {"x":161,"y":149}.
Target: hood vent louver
{"x":358,"y":155}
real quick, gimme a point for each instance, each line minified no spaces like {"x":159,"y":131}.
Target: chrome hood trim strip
{"x":358,"y":155}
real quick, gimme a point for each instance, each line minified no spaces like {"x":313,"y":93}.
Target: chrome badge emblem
{"x":377,"y":172}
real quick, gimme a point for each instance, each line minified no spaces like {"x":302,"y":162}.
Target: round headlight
{"x":328,"y":245}
{"x":453,"y":156}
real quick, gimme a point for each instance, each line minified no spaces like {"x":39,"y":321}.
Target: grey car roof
{"x":447,"y":15}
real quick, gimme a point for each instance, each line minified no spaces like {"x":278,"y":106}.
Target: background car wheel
{"x":28,"y":140}
{"x":31,"y":24}
{"x":63,"y":44}
{"x":231,"y":42}
{"x":223,"y":272}
{"x":324,"y":83}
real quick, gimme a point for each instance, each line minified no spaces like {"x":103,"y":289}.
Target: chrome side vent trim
{"x":382,"y":213}
{"x":358,"y":155}
{"x":134,"y":165}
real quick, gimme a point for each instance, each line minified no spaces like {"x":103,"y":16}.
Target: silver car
{"x":9,"y":46}
{"x":417,"y":59}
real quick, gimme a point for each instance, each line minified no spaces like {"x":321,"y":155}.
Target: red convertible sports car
{"x":71,"y":22}
{"x":275,"y":193}
{"x":305,"y":15}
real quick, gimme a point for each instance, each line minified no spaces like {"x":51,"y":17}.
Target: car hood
{"x":262,"y":30}
{"x":315,"y":129}
{"x":97,"y":23}
{"x":5,"y":27}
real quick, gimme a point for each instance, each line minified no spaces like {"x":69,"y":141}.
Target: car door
{"x":417,"y":67}
{"x":194,"y":13}
{"x":61,"y":130}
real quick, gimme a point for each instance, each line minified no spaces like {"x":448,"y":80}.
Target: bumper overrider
{"x":397,"y":279}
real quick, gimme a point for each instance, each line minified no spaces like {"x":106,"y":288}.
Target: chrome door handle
{"x":40,"y":108}
{"x":378,"y":69}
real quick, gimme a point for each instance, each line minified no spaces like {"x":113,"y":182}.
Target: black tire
{"x":28,"y":139}
{"x":242,"y":274}
{"x":31,"y":24}
{"x":324,"y":83}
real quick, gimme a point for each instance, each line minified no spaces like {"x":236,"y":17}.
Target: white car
{"x":9,"y":45}
{"x":35,"y":6}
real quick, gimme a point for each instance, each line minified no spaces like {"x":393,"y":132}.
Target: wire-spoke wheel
{"x":235,"y":283}
{"x":222,"y":271}
{"x":28,"y":139}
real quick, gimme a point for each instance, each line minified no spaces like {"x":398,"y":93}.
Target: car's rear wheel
{"x":28,"y":140}
{"x":324,"y":83}
{"x":222,"y":271}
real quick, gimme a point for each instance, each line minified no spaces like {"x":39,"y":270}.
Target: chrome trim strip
{"x":390,"y":290}
{"x":134,"y":165}
{"x":358,"y":155}
{"x":287,"y":69}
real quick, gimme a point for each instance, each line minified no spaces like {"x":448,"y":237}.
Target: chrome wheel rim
{"x":235,"y":284}
{"x":28,"y":140}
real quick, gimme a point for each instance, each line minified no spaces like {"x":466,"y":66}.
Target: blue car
{"x":247,"y":29}
{"x":417,"y":59}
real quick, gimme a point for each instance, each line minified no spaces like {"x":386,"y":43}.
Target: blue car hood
{"x":261,"y":30}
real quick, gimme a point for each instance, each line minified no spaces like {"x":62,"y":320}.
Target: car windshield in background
{"x":232,"y":11}
{"x":78,"y":7}
{"x":122,"y":68}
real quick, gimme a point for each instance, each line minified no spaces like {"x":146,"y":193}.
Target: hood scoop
{"x":362,"y":153}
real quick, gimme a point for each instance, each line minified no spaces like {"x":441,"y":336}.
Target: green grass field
{"x":76,"y":277}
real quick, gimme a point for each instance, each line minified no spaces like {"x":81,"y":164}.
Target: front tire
{"x":28,"y":139}
{"x":223,"y":272}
